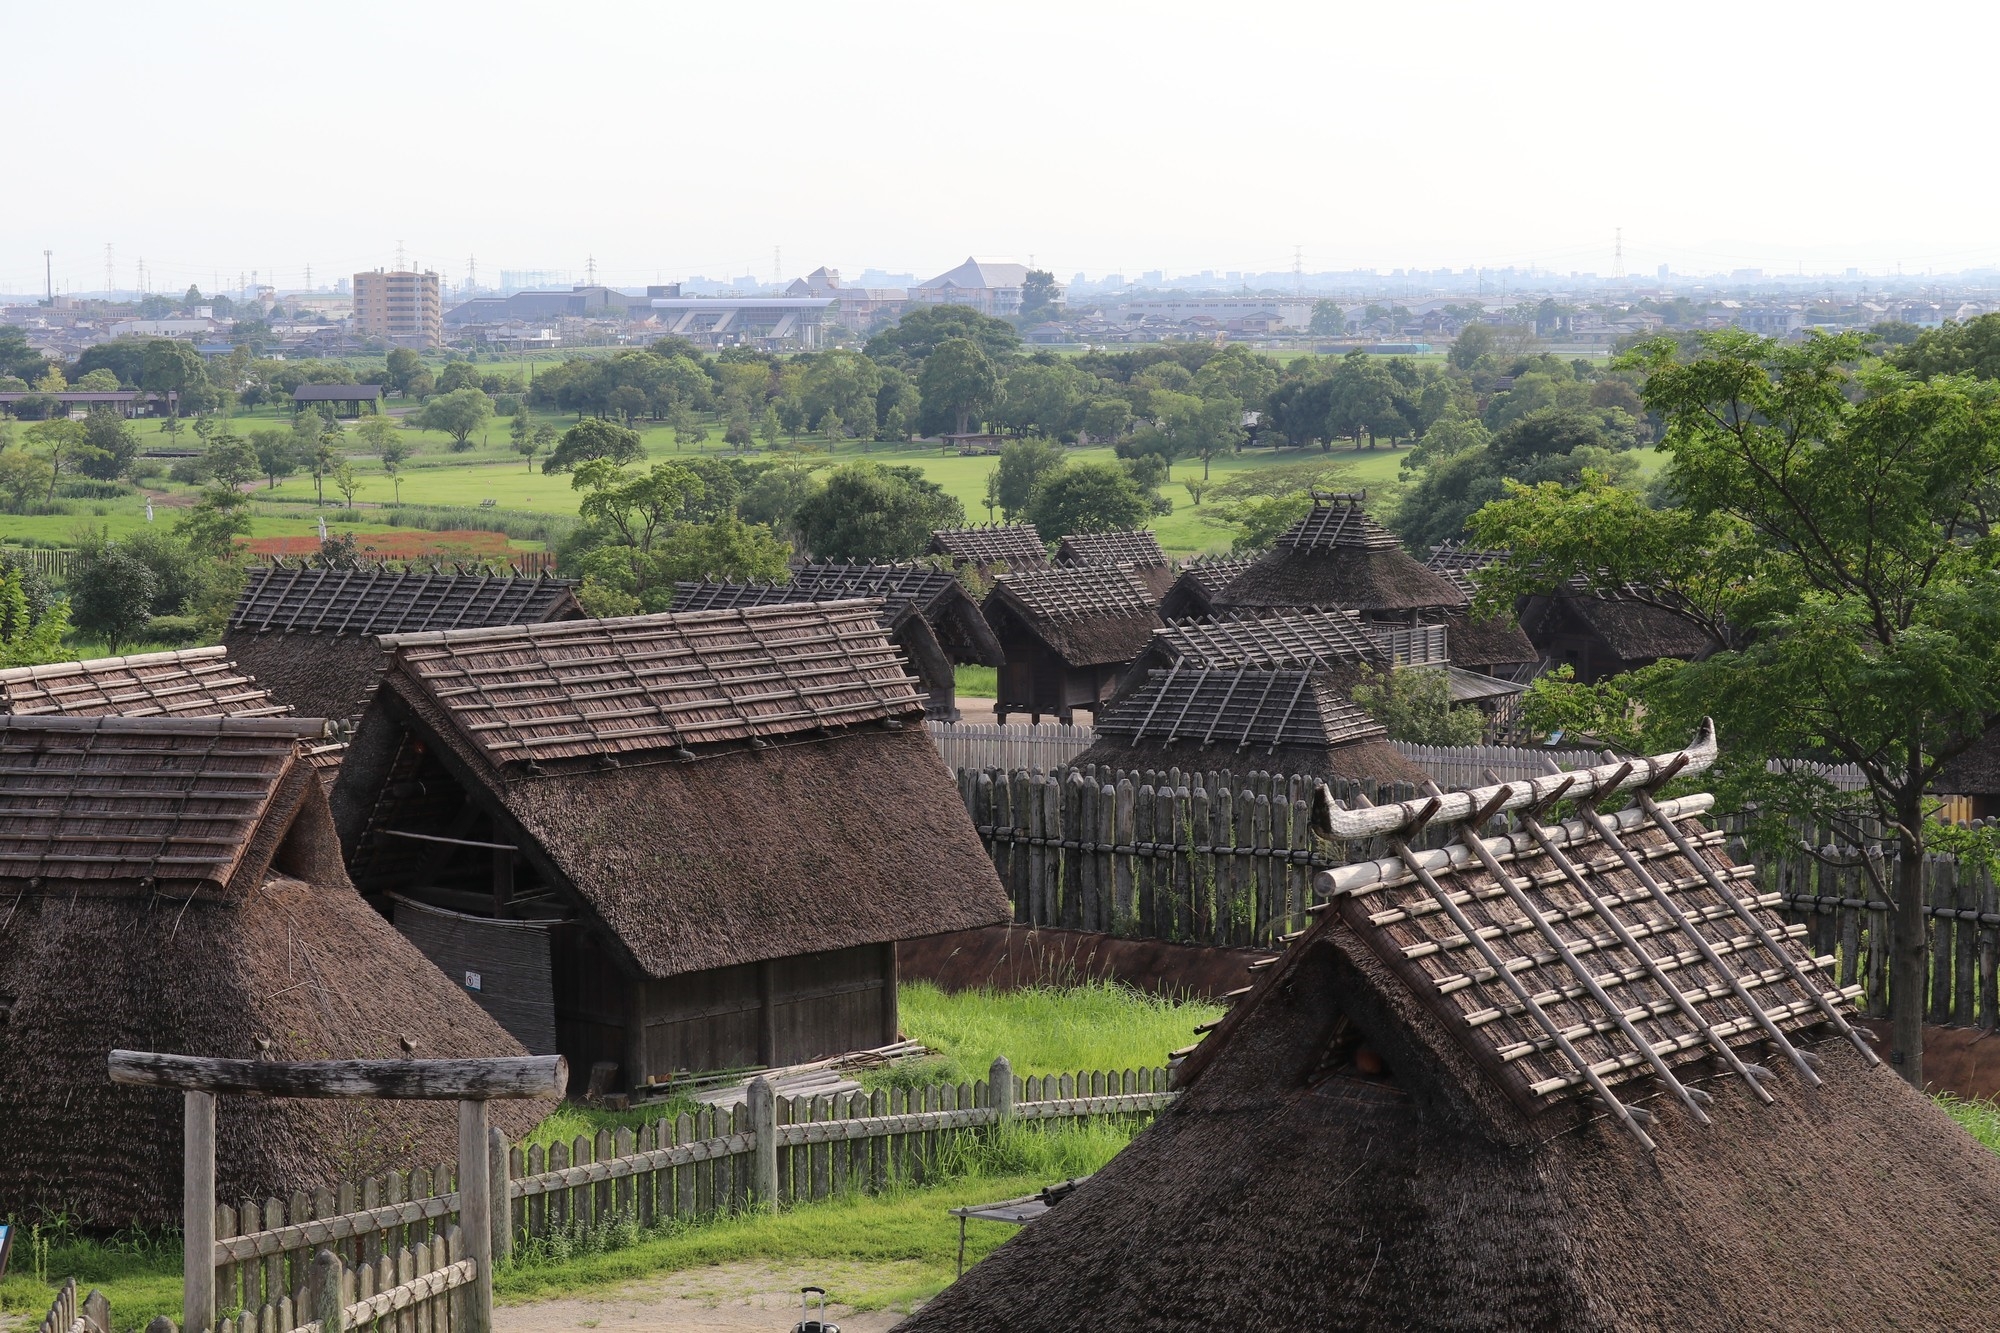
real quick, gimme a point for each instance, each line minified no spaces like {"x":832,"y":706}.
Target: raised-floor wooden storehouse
{"x":926,"y":610}
{"x":1338,"y":642}
{"x":1068,"y":634}
{"x":1137,"y":550}
{"x":1193,"y":591}
{"x":1282,"y":720}
{"x":992,"y":548}
{"x":174,"y":884}
{"x":1576,"y":1077}
{"x":309,"y":633}
{"x":670,"y":842}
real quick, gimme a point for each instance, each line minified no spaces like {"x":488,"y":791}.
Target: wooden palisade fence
{"x":67,"y":1314}
{"x":395,"y":1232}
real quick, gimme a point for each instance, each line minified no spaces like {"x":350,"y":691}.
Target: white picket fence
{"x":1053,"y":745}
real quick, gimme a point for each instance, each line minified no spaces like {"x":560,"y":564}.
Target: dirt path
{"x":725,"y":1298}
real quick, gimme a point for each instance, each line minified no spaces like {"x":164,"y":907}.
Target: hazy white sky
{"x":668,"y":139}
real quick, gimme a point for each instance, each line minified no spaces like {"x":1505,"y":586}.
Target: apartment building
{"x":403,"y":308}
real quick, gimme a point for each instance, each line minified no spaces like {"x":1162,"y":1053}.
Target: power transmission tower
{"x":401,"y":265}
{"x":777,"y":266}
{"x":590,"y":270}
{"x":110,"y":276}
{"x":309,"y":277}
{"x":1298,"y":270}
{"x":472,"y":273}
{"x":1618,"y":253}
{"x":49,"y":276}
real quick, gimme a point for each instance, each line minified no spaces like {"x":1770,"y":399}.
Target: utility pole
{"x":1618,"y":253}
{"x":49,"y":276}
{"x":110,"y":275}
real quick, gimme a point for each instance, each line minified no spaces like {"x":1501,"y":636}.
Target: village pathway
{"x":722,"y":1298}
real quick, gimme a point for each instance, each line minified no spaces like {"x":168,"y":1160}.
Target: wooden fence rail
{"x":395,"y":1228}
{"x":49,"y":561}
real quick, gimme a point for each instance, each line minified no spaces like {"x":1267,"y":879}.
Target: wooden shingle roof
{"x":191,"y":682}
{"x":139,"y":801}
{"x":1271,"y":641}
{"x":1077,"y":592}
{"x":1337,"y":522}
{"x":1239,"y":706}
{"x":1017,"y":545}
{"x":1579,"y":957}
{"x":1140,"y":547}
{"x":375,"y":600}
{"x":662,"y":683}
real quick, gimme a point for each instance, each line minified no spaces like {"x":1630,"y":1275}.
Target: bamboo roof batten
{"x":1578,"y":957}
{"x":1337,"y":522}
{"x":1240,"y":706}
{"x":377,"y":600}
{"x":1014,"y":544}
{"x":1305,"y":639}
{"x":602,"y":688}
{"x":1136,"y":547}
{"x":190,"y":682}
{"x":1079,"y":592}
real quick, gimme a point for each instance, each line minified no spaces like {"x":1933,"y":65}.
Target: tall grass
{"x":1981,"y":1117}
{"x":1041,"y":1030}
{"x":977,"y":682}
{"x":521,"y":525}
{"x":139,"y":1271}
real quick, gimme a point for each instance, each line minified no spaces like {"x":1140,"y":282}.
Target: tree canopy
{"x":870,"y":512}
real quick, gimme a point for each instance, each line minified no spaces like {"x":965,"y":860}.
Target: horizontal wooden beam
{"x":511,"y":1076}
{"x":455,"y":842}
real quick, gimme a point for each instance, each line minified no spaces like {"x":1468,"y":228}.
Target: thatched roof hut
{"x":1009,"y":546}
{"x":926,"y":610}
{"x":309,"y":633}
{"x":1338,"y":642}
{"x":1336,"y":556}
{"x":1068,"y":634}
{"x":1138,"y":547}
{"x":188,"y":682}
{"x":1603,"y":633}
{"x":1286,"y":720}
{"x":1194,"y":590}
{"x":720,"y":822}
{"x":1975,"y":773}
{"x":1381,"y":1136}
{"x":174,"y":884}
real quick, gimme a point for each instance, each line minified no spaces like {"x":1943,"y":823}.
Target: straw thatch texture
{"x":1458,"y":562}
{"x":1369,"y":579}
{"x":1090,"y":615}
{"x":317,"y":675}
{"x":845,"y":829}
{"x":905,"y":589}
{"x":190,"y":682}
{"x":1290,"y":1190}
{"x":1193,"y":591}
{"x":639,"y":684}
{"x":257,"y":936}
{"x":1494,"y":645}
{"x":1015,"y":545}
{"x":1137,"y":548}
{"x":1974,"y":771}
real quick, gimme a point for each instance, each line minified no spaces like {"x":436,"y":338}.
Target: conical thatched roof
{"x":1339,"y":558}
{"x":1378,"y":1137}
{"x":175,"y":885}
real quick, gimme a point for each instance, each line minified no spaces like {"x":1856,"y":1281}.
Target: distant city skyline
{"x":663,"y":142}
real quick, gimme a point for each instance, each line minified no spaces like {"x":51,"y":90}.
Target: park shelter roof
{"x":336,"y":393}
{"x":1140,"y":548}
{"x":174,"y":884}
{"x":1349,"y":1110}
{"x":1016,"y":545}
{"x":186,"y":682}
{"x":717,"y":787}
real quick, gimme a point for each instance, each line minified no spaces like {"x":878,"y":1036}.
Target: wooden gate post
{"x":475,"y":1217}
{"x":198,"y":1212}
{"x":764,"y":1124}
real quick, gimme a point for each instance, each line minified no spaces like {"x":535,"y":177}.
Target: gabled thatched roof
{"x":906,"y":589}
{"x":1090,"y":615}
{"x":188,"y":682}
{"x":715,"y":787}
{"x":1497,"y":641}
{"x":1637,"y":630}
{"x":1016,"y":545}
{"x":1138,"y":548}
{"x":175,"y":885}
{"x":1372,"y":1140}
{"x":376,"y":600}
{"x":1241,"y":707}
{"x":1458,"y":562}
{"x":1329,"y":639}
{"x":1974,"y":771}
{"x":1338,"y":557}
{"x":1194,"y":590}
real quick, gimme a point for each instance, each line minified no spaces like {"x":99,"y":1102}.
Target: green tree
{"x":843,"y":383}
{"x":210,"y":529}
{"x":64,"y":447}
{"x":1107,"y":419}
{"x":593,"y":439}
{"x":1328,"y":319}
{"x":111,"y":595}
{"x":1413,"y":704}
{"x":113,"y":445}
{"x":1971,"y":348}
{"x":346,"y":482}
{"x":521,"y":431}
{"x":958,"y":380}
{"x":869,"y":512}
{"x":394,"y":453}
{"x":101,"y":380}
{"x":401,"y":374}
{"x":1086,"y":497}
{"x":1041,"y":298}
{"x":230,"y":460}
{"x":173,"y":367}
{"x":1022,"y":464}
{"x":376,"y":431}
{"x":458,"y":375}
{"x":1475,"y":342}
{"x":26,"y":637}
{"x":277,"y":455}
{"x":457,"y":414}
{"x":1043,"y":398}
{"x":1833,"y":518}
{"x":24,"y":478}
{"x":912,"y":339}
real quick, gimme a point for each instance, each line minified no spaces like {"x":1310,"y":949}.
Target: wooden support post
{"x":638,"y":1060}
{"x":764,"y":1124}
{"x":198,"y":1212}
{"x":767,"y":1014}
{"x":501,"y":1202}
{"x":329,"y":1305}
{"x":1000,"y":1087}
{"x":891,"y":1019}
{"x":475,"y":1219}
{"x":503,"y":880}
